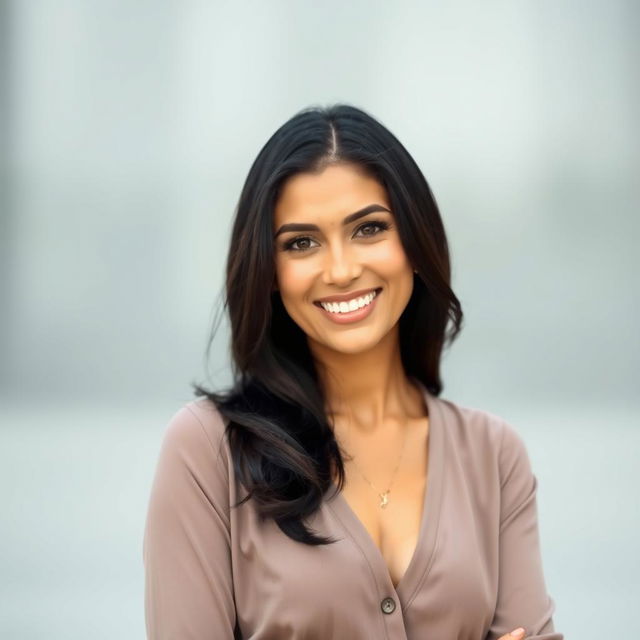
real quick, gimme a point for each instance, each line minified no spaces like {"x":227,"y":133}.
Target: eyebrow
{"x":297,"y":226}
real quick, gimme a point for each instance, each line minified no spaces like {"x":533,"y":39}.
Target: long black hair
{"x":282,"y":444}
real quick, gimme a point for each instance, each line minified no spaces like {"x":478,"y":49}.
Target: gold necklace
{"x":384,"y":496}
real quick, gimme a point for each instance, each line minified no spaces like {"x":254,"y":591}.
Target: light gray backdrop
{"x":127,"y":131}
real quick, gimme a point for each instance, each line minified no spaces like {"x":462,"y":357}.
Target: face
{"x":335,"y":235}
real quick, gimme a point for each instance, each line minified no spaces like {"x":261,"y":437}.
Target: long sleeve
{"x":186,"y":547}
{"x":523,"y":600}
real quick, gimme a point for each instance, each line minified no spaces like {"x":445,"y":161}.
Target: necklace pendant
{"x":384,"y":499}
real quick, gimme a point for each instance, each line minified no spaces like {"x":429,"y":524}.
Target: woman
{"x":331,"y":493}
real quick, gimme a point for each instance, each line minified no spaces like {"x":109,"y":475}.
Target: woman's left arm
{"x":523,"y":600}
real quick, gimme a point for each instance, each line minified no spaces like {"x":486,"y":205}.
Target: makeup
{"x":349,"y":317}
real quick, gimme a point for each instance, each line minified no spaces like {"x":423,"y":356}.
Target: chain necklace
{"x":384,"y":496}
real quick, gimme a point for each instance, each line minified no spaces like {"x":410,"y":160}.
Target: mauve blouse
{"x":220,"y":573}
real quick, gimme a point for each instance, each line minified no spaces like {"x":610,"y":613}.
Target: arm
{"x":522,"y":594}
{"x":186,"y":547}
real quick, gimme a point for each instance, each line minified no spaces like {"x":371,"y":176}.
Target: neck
{"x":369,"y":389}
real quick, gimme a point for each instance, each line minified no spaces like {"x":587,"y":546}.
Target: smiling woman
{"x":337,"y":253}
{"x":332,"y":492}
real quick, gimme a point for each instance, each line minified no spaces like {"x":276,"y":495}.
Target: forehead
{"x":327,"y":196}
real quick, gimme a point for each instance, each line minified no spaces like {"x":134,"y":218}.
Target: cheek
{"x":294,"y":277}
{"x":391,"y":259}
{"x":393,"y":265}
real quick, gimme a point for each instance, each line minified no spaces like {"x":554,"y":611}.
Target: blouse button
{"x":388,"y":605}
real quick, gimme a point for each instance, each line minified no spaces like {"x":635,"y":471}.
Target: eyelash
{"x":380,"y":224}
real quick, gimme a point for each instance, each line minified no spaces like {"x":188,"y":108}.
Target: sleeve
{"x":186,"y":545}
{"x":522,"y":595}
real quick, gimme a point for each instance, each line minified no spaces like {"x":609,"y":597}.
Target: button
{"x":388,"y":605}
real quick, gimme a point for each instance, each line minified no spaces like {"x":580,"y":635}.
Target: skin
{"x":378,"y":416}
{"x":359,"y":363}
{"x":373,"y":405}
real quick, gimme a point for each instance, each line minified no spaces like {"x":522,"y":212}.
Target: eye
{"x":290,"y":245}
{"x":378,"y":225}
{"x":300,"y":244}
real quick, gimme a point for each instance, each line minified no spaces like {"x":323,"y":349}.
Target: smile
{"x":352,"y":310}
{"x":349,"y":305}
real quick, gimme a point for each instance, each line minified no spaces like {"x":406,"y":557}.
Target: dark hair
{"x":282,"y":445}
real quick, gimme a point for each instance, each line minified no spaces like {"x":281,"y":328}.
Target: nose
{"x":340,"y":267}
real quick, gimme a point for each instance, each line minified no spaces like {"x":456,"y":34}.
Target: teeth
{"x":351,"y":305}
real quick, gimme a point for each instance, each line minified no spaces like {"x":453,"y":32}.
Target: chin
{"x":350,"y":346}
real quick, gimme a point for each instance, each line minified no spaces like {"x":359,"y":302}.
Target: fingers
{"x":516,"y":634}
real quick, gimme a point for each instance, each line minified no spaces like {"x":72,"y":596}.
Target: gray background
{"x":127,"y":130}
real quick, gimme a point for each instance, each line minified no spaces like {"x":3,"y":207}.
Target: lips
{"x":354,"y":316}
{"x":345,"y":297}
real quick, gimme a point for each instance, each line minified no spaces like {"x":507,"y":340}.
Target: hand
{"x":516,"y":634}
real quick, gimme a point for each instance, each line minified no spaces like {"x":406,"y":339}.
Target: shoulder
{"x":194,"y":444}
{"x":197,"y":423}
{"x":485,"y":433}
{"x":191,"y":491}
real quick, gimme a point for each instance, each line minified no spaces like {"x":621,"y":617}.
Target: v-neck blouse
{"x":217,"y":572}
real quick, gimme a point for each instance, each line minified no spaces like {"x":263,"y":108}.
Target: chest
{"x":284,"y":589}
{"x":395,"y":527}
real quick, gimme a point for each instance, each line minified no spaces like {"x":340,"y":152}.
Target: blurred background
{"x":127,"y":130}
